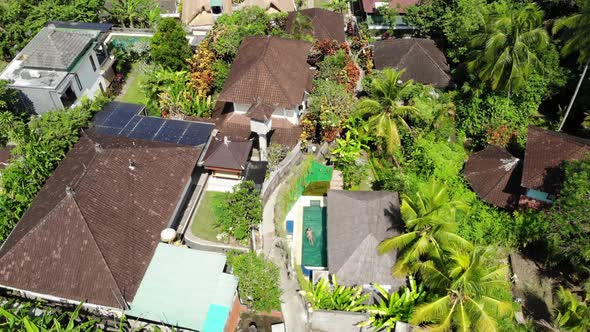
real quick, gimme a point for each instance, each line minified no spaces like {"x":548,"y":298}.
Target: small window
{"x":92,"y":63}
{"x":78,"y":82}
{"x":101,"y":88}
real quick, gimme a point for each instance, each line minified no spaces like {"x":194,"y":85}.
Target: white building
{"x":62,"y":63}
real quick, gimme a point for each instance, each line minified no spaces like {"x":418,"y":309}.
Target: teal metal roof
{"x":216,"y":317}
{"x":182,"y":287}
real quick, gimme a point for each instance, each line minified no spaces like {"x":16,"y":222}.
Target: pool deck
{"x":296,"y":214}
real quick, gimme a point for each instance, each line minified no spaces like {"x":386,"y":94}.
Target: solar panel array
{"x":123,"y":119}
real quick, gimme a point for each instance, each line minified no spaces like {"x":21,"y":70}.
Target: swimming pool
{"x":314,"y":217}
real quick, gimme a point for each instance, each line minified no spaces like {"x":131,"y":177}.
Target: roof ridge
{"x":99,"y":250}
{"x":233,"y":153}
{"x":431,"y":59}
{"x":284,"y":92}
{"x":52,"y":43}
{"x":570,"y":138}
{"x":508,"y":173}
{"x":43,"y":220}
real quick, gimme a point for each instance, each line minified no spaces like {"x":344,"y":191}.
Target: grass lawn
{"x":132,"y":91}
{"x":205,"y":220}
{"x":3,"y":64}
{"x":367,"y":182}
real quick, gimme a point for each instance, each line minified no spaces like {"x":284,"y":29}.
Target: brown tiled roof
{"x":5,"y":156}
{"x":93,"y":227}
{"x":224,"y":153}
{"x":422,"y":60}
{"x":271,"y":70}
{"x":260,"y":111}
{"x":544,"y":156}
{"x":494,"y":174}
{"x":326,"y":23}
{"x":237,"y":126}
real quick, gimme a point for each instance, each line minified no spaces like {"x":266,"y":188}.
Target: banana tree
{"x":393,"y":307}
{"x":329,"y":295}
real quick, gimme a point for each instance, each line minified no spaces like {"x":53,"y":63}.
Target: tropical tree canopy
{"x":576,"y":28}
{"x":474,"y":292}
{"x":134,"y":13}
{"x":505,"y":52}
{"x":429,"y":219}
{"x":385,"y":107}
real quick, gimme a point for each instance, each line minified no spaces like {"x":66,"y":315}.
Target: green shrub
{"x":169,"y":47}
{"x":242,"y":210}
{"x":41,"y":145}
{"x":258,"y":282}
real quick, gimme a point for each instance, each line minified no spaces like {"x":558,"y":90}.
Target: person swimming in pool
{"x":309,"y":235}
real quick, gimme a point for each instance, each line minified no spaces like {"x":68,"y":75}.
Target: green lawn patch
{"x":132,"y":90}
{"x":318,"y":188}
{"x":3,"y":65}
{"x":367,"y":182}
{"x":204,"y":224}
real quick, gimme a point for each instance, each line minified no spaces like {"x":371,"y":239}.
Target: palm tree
{"x":572,"y":314}
{"x":473,"y":292}
{"x":505,"y":52}
{"x":134,"y":13}
{"x":578,"y":40}
{"x":385,"y":108}
{"x":302,"y":29}
{"x":430,"y":229}
{"x":338,"y":5}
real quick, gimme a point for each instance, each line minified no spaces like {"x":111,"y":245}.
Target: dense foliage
{"x":170,"y":48}
{"x":40,"y":146}
{"x":134,"y":13}
{"x":35,"y":316}
{"x":241,"y":210}
{"x":258,"y":284}
{"x":569,"y":218}
{"x":330,"y":295}
{"x":20,"y":20}
{"x":469,"y":285}
{"x":393,"y":307}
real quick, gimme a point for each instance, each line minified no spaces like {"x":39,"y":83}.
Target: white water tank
{"x":168,"y":235}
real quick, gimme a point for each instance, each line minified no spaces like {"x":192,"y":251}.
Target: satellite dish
{"x":168,"y":235}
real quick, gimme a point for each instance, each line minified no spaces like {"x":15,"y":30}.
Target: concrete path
{"x":292,"y":307}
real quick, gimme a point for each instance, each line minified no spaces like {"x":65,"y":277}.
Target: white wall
{"x":292,"y":115}
{"x":87,"y":76}
{"x":42,"y":100}
{"x":261,"y":127}
{"x":241,"y":108}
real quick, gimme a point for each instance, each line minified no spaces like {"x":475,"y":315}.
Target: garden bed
{"x":205,"y":221}
{"x":132,"y":91}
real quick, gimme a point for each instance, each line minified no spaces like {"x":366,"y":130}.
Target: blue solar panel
{"x":171,"y":131}
{"x":107,"y":130}
{"x":132,"y":123}
{"x":118,"y":119}
{"x":196,"y":134}
{"x":147,"y":128}
{"x":101,"y":117}
{"x":121,"y":119}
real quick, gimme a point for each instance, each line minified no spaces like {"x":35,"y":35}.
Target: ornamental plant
{"x":242,"y":210}
{"x":329,"y":295}
{"x":394,"y":307}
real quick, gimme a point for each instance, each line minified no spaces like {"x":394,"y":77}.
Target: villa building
{"x":62,"y":63}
